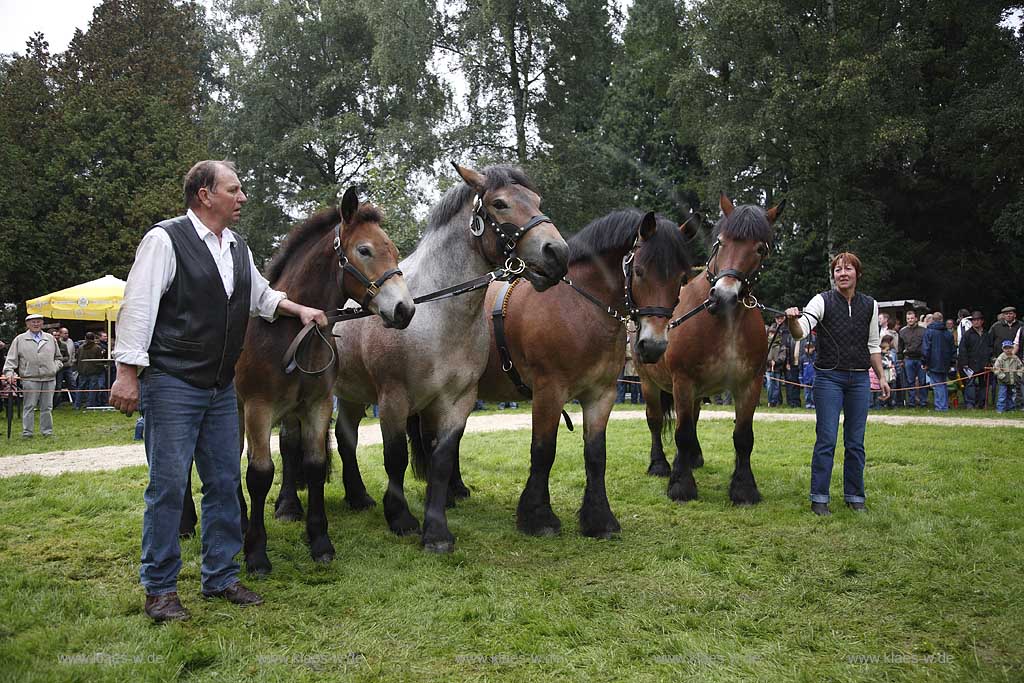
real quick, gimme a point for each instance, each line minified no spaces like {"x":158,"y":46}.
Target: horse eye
{"x":365,"y":251}
{"x":500,"y":204}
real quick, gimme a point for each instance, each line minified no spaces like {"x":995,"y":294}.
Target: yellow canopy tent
{"x":94,"y":300}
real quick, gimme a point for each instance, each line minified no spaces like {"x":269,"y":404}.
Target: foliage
{"x":925,"y":584}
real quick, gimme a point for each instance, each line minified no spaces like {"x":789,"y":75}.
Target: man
{"x":34,"y":358}
{"x":937,"y":354}
{"x":884,"y":328}
{"x":187,"y":302}
{"x":1004,"y":329}
{"x":973,"y":356}
{"x":911,"y":339}
{"x":65,"y":377}
{"x":777,"y":358}
{"x":107,"y":376}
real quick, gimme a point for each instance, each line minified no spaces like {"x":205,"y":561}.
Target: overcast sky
{"x":57,"y":19}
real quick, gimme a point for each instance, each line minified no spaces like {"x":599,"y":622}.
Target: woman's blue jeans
{"x":182,"y":420}
{"x":848,"y":392}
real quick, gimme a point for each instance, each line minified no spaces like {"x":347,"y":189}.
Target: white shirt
{"x":816,"y":307}
{"x":151,"y":276}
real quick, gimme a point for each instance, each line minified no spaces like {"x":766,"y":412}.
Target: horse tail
{"x":418,"y":454}
{"x":668,"y":410}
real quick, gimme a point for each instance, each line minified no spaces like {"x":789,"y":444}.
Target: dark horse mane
{"x":616,"y":232}
{"x":456,"y":197}
{"x":746,"y":222}
{"x":310,"y":231}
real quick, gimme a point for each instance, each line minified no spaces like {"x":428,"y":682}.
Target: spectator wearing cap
{"x":1007,"y":328}
{"x":973,"y":356}
{"x":1009,"y":370}
{"x":35,"y":359}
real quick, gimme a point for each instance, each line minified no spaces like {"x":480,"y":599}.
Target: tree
{"x":321,"y":95}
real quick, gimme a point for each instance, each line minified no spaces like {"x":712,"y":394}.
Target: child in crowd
{"x":1009,"y":374}
{"x":888,"y":366}
{"x":807,"y":373}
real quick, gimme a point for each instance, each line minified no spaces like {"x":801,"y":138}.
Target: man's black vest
{"x":846,"y":348}
{"x":200,"y":331}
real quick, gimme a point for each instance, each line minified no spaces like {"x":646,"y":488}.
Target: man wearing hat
{"x":972,"y":357}
{"x":1007,"y":328}
{"x":35,"y":358}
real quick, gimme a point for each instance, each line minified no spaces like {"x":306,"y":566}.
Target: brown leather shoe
{"x":238,"y":594}
{"x":166,"y":607}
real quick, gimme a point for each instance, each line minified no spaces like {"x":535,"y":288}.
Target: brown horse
{"x":720,"y":348}
{"x":323,"y":262}
{"x":565,"y":347}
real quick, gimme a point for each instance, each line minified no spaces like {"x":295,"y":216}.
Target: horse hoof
{"x":405,"y":525}
{"x":745,"y":498}
{"x":439,"y":547}
{"x":288,"y":513}
{"x":540,"y":525}
{"x":458,"y":491}
{"x":322,"y":551}
{"x":258,"y":567}
{"x":326,"y":558}
{"x":360,"y":502}
{"x":658,"y":469}
{"x":604,"y":526}
{"x":682,"y":491}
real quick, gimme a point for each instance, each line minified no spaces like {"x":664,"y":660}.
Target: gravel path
{"x":116,"y":457}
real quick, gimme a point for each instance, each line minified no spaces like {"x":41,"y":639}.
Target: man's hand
{"x":886,"y":391}
{"x":793,"y":312}
{"x":124,"y":394}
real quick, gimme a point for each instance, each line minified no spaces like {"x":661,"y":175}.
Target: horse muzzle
{"x":401,"y":316}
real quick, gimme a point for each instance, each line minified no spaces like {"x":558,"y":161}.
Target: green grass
{"x":702,"y":591}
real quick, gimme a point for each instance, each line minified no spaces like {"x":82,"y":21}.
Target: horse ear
{"x":776,"y":211}
{"x":726,"y":204}
{"x":474,"y":179}
{"x":648,"y":226}
{"x":690,"y":225}
{"x":349,"y":205}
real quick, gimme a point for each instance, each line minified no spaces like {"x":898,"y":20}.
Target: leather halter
{"x":508,"y":234}
{"x":372,"y":286}
{"x":747,"y":279}
{"x":632,"y":310}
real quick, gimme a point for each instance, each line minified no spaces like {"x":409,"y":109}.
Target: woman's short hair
{"x":846,"y":257}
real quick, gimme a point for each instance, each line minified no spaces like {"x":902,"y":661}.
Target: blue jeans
{"x":182,"y":420}
{"x":941,"y":393}
{"x":85,"y":397}
{"x":974,"y":393}
{"x":916,"y":378}
{"x":809,"y":397}
{"x":774,"y":388}
{"x":848,"y":392}
{"x":792,"y":390}
{"x":1005,"y":395}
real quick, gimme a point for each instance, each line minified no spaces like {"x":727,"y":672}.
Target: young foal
{"x":433,"y":367}
{"x":565,"y":347}
{"x":722,"y":348}
{"x":310,"y":266}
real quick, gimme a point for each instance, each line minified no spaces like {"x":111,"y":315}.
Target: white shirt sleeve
{"x":815,"y":309}
{"x":874,"y":336}
{"x":263,"y":300}
{"x":150,"y":277}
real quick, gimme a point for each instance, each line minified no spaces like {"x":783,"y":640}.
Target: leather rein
{"x":508,"y":234}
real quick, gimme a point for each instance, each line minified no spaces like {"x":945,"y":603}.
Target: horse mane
{"x":746,"y":222}
{"x":455,"y":198}
{"x":311,"y":230}
{"x":616,"y":232}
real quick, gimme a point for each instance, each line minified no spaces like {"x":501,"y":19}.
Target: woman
{"x":848,"y":344}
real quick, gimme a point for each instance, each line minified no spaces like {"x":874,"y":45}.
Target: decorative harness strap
{"x":498,"y":314}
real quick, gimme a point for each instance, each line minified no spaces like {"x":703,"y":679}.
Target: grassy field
{"x":926,"y":586}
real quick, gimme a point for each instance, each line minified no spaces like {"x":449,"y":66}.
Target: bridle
{"x":372,"y":286}
{"x":747,"y":279}
{"x":632,"y":310}
{"x":508,"y":234}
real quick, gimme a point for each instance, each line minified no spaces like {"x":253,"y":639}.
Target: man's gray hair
{"x":203,"y":174}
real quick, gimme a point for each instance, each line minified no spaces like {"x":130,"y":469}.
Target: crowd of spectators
{"x":929,"y":360}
